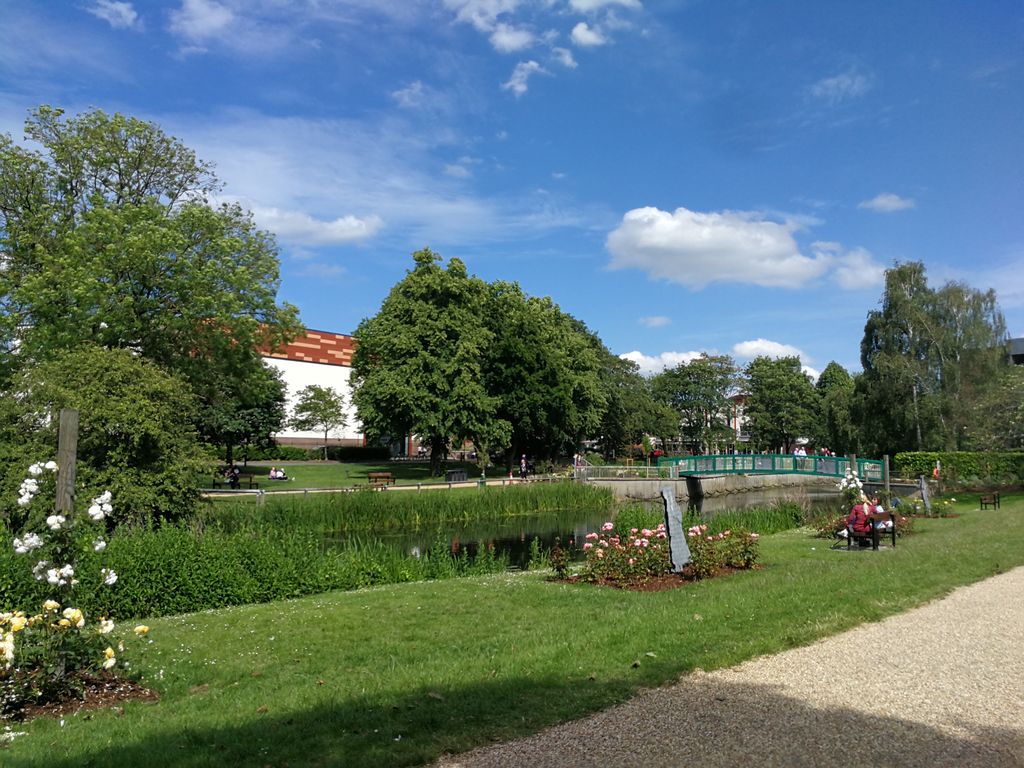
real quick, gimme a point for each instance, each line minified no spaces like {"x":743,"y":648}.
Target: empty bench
{"x":990,"y":500}
{"x":380,"y":479}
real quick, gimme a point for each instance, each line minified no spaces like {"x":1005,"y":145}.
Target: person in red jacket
{"x":858,"y":519}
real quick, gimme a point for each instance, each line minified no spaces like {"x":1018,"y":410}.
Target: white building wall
{"x":298,"y":375}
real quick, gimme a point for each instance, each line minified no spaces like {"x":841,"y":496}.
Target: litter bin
{"x":455,"y":476}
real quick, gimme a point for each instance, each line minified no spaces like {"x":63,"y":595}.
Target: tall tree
{"x":319,"y":408}
{"x":782,"y":404}
{"x":543,"y":367}
{"x":107,"y":238}
{"x":927,"y":356}
{"x":836,"y":389}
{"x":632,"y":411}
{"x":699,"y":392}
{"x":417,"y":367}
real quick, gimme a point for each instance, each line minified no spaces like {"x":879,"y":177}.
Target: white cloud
{"x":655,"y":321}
{"x":411,"y":96}
{"x":650,"y":365}
{"x":842,"y":87}
{"x":748,"y":350}
{"x":887,"y":203}
{"x":854,"y":269}
{"x":586,"y":6}
{"x":587,"y":36}
{"x":303,"y":229}
{"x":695,"y":249}
{"x":482,"y":14}
{"x":564,"y":57}
{"x":457,"y":171}
{"x":119,"y":15}
{"x":518,"y":83}
{"x":200,"y":20}
{"x":508,"y":39}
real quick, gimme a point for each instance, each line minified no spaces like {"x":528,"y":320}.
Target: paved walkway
{"x":949,"y":693}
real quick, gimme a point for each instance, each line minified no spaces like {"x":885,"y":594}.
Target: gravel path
{"x":949,"y":693}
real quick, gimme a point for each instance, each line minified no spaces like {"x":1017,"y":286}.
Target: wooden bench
{"x":243,"y":477}
{"x":875,"y":534}
{"x":380,"y":479}
{"x":990,"y":500}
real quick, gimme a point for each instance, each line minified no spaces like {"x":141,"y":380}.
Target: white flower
{"x":106,"y":507}
{"x":109,"y":577}
{"x":30,"y":542}
{"x":50,"y":465}
{"x":7,"y":646}
{"x":40,"y":569}
{"x":24,"y":500}
{"x":96,"y":512}
{"x":53,"y":576}
{"x":35,"y":470}
{"x":55,"y":522}
{"x":98,"y":545}
{"x":28,"y":485}
{"x":106,"y":626}
{"x":67,"y":571}
{"x":103,"y":498}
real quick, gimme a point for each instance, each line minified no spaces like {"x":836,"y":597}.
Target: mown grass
{"x":335,"y":474}
{"x":402,"y":674}
{"x":407,"y":509}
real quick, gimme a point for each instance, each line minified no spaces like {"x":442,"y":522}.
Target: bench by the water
{"x":990,"y":500}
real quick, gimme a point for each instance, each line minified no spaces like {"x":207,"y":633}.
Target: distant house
{"x":325,"y":359}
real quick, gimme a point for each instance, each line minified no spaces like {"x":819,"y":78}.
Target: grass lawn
{"x":334,"y":474}
{"x":399,"y":675}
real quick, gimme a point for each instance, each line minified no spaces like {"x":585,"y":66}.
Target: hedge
{"x":964,"y":468}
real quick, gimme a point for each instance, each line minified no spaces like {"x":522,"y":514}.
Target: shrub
{"x":710,"y":552}
{"x":964,"y":469}
{"x":626,"y":555}
{"x":356,"y":453}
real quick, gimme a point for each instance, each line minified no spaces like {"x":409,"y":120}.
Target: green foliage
{"x":319,"y":408}
{"x":108,"y":239}
{"x":782,"y":404}
{"x":273,"y":452}
{"x":417,"y":368}
{"x":930,"y":356}
{"x":698,"y":391}
{"x":710,"y":552}
{"x":358,"y":453}
{"x":837,"y":428}
{"x":136,"y":435}
{"x":964,"y":469}
{"x":632,"y":410}
{"x":625,"y":555}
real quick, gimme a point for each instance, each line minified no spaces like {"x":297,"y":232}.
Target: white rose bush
{"x":46,"y":651}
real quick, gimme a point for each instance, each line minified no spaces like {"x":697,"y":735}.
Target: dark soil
{"x":652,"y":583}
{"x":102,"y":691}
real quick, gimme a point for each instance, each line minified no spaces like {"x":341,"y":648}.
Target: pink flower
{"x":632,"y":561}
{"x":644,"y":543}
{"x":603,"y":543}
{"x":600,"y":554}
{"x":661,"y":535}
{"x":588,"y":545}
{"x":726,"y":533}
{"x":633,"y":530}
{"x":607,"y":526}
{"x":711,"y":538}
{"x":591,"y":536}
{"x":754,"y":536}
{"x":647,"y":533}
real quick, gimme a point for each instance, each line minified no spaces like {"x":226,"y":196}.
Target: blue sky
{"x":682,"y":175}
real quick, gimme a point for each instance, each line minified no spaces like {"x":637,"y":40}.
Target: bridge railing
{"x":870,"y":470}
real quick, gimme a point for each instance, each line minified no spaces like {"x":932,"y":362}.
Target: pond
{"x":512,"y":537}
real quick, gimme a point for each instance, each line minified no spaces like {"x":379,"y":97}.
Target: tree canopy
{"x":698,"y":391}
{"x":781,"y":404}
{"x":107,"y":237}
{"x":319,"y":408}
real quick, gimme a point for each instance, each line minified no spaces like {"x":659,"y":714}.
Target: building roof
{"x":317,"y":347}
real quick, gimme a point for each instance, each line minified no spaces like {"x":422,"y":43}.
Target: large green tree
{"x":107,"y":237}
{"x":543,"y":366}
{"x":417,"y":368}
{"x":838,"y":431}
{"x":698,"y":391}
{"x":632,"y":411}
{"x":928,"y":356}
{"x":781,"y":404}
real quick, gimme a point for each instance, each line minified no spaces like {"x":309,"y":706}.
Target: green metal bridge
{"x":869,"y":470}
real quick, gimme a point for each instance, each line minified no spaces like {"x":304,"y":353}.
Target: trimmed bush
{"x":964,"y":469}
{"x":355,"y":453}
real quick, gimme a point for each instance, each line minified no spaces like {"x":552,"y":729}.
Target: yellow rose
{"x":18,"y":623}
{"x":74,"y":616}
{"x":64,"y":623}
{"x":51,"y":605}
{"x":142,"y":629}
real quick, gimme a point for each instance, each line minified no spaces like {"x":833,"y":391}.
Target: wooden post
{"x":67,"y":451}
{"x":885,"y":477}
